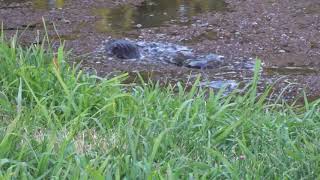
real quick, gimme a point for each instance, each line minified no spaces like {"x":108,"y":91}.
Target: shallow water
{"x":179,"y":55}
{"x":228,"y":85}
{"x":154,"y":13}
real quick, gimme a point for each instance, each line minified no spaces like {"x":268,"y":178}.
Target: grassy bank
{"x":58,"y":122}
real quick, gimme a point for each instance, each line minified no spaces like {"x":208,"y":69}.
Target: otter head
{"x":122,"y":49}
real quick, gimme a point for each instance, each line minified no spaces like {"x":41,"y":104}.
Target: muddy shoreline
{"x":284,"y":34}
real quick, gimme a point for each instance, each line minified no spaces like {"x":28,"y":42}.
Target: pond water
{"x":154,"y":13}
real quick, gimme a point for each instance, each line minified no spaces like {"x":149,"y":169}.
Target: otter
{"x":180,"y":58}
{"x":122,"y":49}
{"x":190,"y":60}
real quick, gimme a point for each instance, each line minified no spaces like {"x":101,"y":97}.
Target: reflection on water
{"x":290,"y":70}
{"x":154,"y":13}
{"x":120,"y":18}
{"x":48,"y":4}
{"x":38,"y":4}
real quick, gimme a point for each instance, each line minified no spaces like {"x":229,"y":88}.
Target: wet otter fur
{"x":122,"y":49}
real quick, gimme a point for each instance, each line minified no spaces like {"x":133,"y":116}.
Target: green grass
{"x":57,"y":122}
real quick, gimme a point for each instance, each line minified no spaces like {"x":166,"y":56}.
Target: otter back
{"x":123,"y":49}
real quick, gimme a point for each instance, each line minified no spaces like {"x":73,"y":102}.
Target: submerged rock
{"x":122,"y":49}
{"x":203,"y":64}
{"x":208,"y":61}
{"x":228,"y":85}
{"x":218,"y":84}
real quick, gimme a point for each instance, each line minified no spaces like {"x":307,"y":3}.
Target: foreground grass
{"x":57,"y":122}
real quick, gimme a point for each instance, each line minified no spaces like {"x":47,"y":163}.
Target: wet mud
{"x":284,"y":34}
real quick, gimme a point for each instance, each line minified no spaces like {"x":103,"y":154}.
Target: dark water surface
{"x":154,"y":13}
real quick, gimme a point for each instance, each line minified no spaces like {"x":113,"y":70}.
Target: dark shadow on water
{"x":290,"y":71}
{"x":154,"y":13}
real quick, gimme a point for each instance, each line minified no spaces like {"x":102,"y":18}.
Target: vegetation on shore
{"x":58,"y":122}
